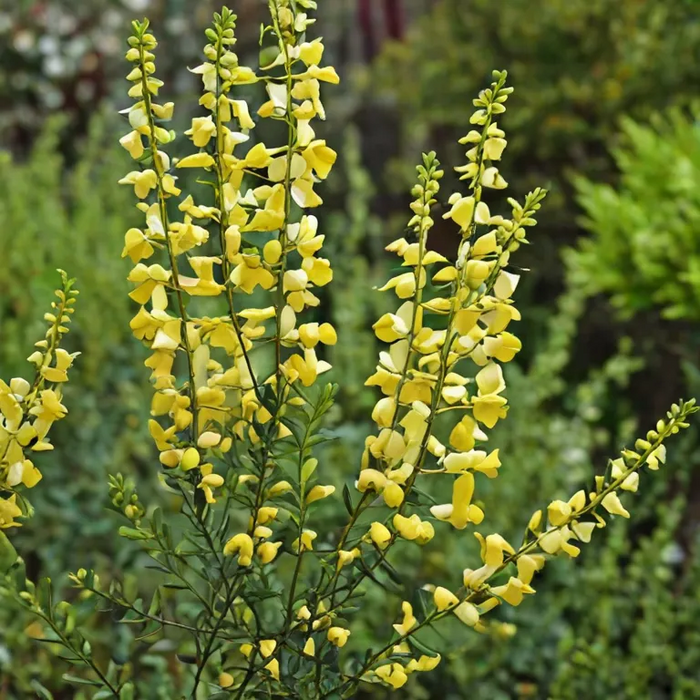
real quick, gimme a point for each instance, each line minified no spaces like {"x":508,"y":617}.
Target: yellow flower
{"x":513,"y":591}
{"x":143,"y":182}
{"x":413,"y":528}
{"x":409,"y":621}
{"x":226,"y":680}
{"x":393,"y":674}
{"x":267,"y":647}
{"x":319,"y":492}
{"x":380,"y":535}
{"x":461,"y":511}
{"x":241,"y":544}
{"x":203,"y":128}
{"x":338,"y":636}
{"x":425,"y":663}
{"x":133,"y":144}
{"x":306,"y":540}
{"x":274,"y":668}
{"x":444,"y":599}
{"x":493,"y":549}
{"x":613,"y":505}
{"x":9,"y":511}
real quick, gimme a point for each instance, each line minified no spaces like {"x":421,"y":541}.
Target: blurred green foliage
{"x":577,"y":67}
{"x":73,"y":219}
{"x":644,"y":244}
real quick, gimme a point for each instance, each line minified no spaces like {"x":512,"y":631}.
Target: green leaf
{"x":424,"y":648}
{"x":347,"y":500}
{"x":186,"y":658}
{"x":133,"y":534}
{"x":127,"y":691}
{"x":8,"y":554}
{"x":308,"y":469}
{"x":41,"y":691}
{"x":77,"y":680}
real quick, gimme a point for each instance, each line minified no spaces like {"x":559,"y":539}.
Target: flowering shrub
{"x":254,"y":593}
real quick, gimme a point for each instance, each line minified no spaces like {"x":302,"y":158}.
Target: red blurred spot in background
{"x":392,"y":21}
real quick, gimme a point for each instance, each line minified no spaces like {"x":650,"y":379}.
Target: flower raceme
{"x":28,"y":409}
{"x":228,"y":279}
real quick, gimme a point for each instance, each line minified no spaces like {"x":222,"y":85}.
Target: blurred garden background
{"x":605,"y":115}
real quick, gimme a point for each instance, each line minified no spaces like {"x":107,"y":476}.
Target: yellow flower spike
{"x":409,"y":621}
{"x":444,"y":598}
{"x":318,"y":493}
{"x":246,"y":649}
{"x":338,"y":636}
{"x":309,"y":647}
{"x":241,"y":544}
{"x":379,"y":534}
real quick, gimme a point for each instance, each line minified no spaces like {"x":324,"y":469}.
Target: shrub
{"x":249,"y":596}
{"x":644,"y":245}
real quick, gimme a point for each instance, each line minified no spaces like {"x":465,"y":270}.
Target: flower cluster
{"x":452,"y":316}
{"x":29,"y":409}
{"x":260,"y":243}
{"x":227,"y":274}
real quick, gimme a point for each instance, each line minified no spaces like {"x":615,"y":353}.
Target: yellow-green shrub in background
{"x":644,"y":244}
